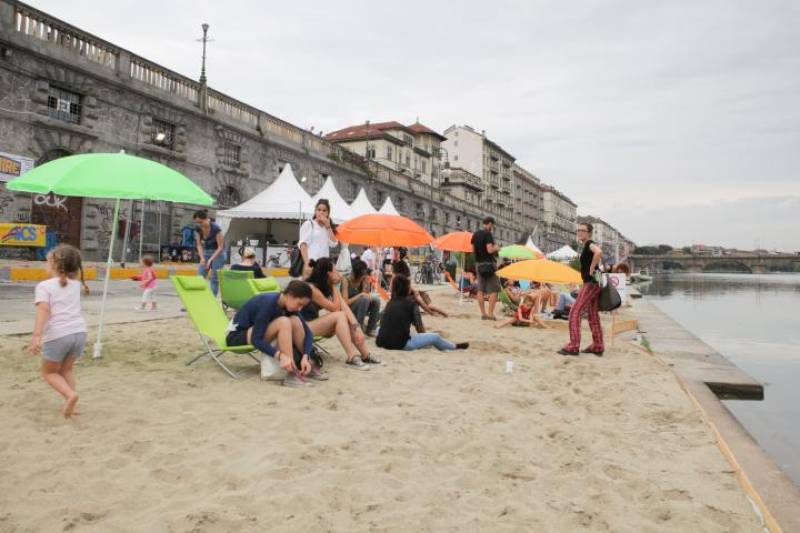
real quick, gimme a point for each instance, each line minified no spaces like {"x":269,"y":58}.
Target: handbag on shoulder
{"x":609,"y":297}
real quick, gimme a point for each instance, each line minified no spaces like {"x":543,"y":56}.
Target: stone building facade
{"x":558,"y":216}
{"x":64,"y":91}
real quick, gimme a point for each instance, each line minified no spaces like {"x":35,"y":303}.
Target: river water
{"x":753,"y":320}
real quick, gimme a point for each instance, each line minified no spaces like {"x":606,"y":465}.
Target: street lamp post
{"x":438,"y":154}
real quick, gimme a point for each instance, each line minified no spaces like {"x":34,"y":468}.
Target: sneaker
{"x":139,"y":309}
{"x":318,"y":375}
{"x":462,"y":346}
{"x":271,"y":370}
{"x":357,"y":364}
{"x":564,"y":351}
{"x":372,"y":360}
{"x":295,"y":381}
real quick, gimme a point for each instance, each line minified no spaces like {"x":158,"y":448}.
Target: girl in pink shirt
{"x":59,"y":333}
{"x":147,"y":282}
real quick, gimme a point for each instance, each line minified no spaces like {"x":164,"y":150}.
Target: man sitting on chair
{"x":273,"y":317}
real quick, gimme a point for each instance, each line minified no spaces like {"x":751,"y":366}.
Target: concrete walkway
{"x":17,"y":311}
{"x":706,"y":373}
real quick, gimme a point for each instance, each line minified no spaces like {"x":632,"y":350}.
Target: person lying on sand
{"x":273,"y":317}
{"x":527,"y":314}
{"x":395,"y":330}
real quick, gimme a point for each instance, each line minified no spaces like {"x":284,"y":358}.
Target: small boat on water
{"x":640,"y":277}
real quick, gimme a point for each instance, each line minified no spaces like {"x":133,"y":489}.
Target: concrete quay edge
{"x":768,"y":487}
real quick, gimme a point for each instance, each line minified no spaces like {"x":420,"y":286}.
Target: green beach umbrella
{"x":116,"y":176}
{"x":517,"y":251}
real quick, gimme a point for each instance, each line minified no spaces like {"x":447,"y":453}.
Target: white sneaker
{"x":294,"y":381}
{"x":271,"y":370}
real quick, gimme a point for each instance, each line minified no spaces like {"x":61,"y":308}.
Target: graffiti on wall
{"x":22,"y":234}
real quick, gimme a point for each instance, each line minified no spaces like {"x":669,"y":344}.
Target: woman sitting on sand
{"x":527,"y":314}
{"x":339,"y":320}
{"x":363,"y":303}
{"x":421,"y":297}
{"x":395,"y":330}
{"x":272,"y":317}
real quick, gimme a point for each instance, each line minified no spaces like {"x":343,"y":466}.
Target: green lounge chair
{"x":209,"y":319}
{"x":234,"y":286}
{"x":259,"y":285}
{"x":505,"y":299}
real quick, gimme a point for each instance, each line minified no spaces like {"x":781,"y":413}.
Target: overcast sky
{"x":676,"y":121}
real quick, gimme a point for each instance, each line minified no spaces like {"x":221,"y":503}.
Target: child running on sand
{"x":527,"y":314}
{"x":147,"y":282}
{"x":60,"y":331}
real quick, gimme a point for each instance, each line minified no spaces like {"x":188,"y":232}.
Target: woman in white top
{"x":318,"y":235}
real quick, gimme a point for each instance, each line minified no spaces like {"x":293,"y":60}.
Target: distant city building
{"x":558,"y":217}
{"x":413,"y":150}
{"x":528,"y":202}
{"x":616,"y":247}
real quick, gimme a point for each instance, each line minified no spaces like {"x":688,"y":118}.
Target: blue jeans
{"x":564,"y":299}
{"x":218,"y":263}
{"x":423,"y":340}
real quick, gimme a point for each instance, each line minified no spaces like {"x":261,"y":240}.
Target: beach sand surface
{"x":429,"y":442}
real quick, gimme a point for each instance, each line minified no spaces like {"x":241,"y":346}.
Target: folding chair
{"x":209,"y":319}
{"x":234,"y":287}
{"x":259,"y":285}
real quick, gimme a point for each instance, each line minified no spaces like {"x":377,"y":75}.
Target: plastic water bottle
{"x":509,"y":366}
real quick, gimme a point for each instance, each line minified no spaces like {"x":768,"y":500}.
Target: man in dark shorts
{"x":588,"y":297}
{"x":485,"y":267}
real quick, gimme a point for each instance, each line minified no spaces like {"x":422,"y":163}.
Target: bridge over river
{"x":699,"y":263}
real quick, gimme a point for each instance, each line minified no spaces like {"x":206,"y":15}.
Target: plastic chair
{"x":209,"y":319}
{"x":260,"y":285}
{"x":235,"y":288}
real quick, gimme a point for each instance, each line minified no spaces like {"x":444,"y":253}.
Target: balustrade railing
{"x":38,"y":26}
{"x":165,"y":80}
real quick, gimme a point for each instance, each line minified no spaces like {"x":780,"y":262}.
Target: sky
{"x":677,"y":122}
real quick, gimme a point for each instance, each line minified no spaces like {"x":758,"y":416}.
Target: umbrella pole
{"x":461,"y":281}
{"x":141,"y":232}
{"x":98,"y":345}
{"x":159,"y":232}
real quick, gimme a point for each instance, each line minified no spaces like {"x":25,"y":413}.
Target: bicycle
{"x":429,"y":272}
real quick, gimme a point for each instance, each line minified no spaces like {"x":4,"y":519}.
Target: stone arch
{"x":50,"y":141}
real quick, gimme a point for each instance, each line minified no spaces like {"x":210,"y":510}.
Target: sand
{"x":430,"y":442}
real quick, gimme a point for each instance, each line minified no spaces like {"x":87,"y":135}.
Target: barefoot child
{"x":60,"y":331}
{"x":527,"y":314}
{"x":147,"y":282}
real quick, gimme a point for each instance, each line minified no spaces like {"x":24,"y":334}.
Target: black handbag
{"x":296,"y":265}
{"x":609,"y":297}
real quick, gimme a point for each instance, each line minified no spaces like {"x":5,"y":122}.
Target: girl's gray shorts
{"x":58,"y":349}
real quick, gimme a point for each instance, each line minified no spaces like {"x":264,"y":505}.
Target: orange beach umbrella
{"x":379,"y":229}
{"x":541,"y":270}
{"x":457,"y":241}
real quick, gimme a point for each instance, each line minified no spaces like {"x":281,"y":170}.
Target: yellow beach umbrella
{"x":541,"y":270}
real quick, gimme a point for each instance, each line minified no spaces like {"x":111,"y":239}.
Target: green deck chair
{"x":209,"y":319}
{"x":259,"y":285}
{"x":234,"y":286}
{"x":506,"y":301}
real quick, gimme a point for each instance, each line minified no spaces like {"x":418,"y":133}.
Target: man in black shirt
{"x":485,"y":250}
{"x":588,"y":297}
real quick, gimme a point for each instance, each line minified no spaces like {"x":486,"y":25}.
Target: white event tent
{"x":282,"y":205}
{"x":361,"y":205}
{"x":388,"y":207}
{"x":340,"y":210}
{"x":565,"y":253}
{"x":533,"y":247}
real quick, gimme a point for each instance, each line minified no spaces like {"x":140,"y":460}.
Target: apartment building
{"x":412,"y":150}
{"x":558,"y":218}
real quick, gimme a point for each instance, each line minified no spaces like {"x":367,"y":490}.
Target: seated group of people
{"x":327,"y":304}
